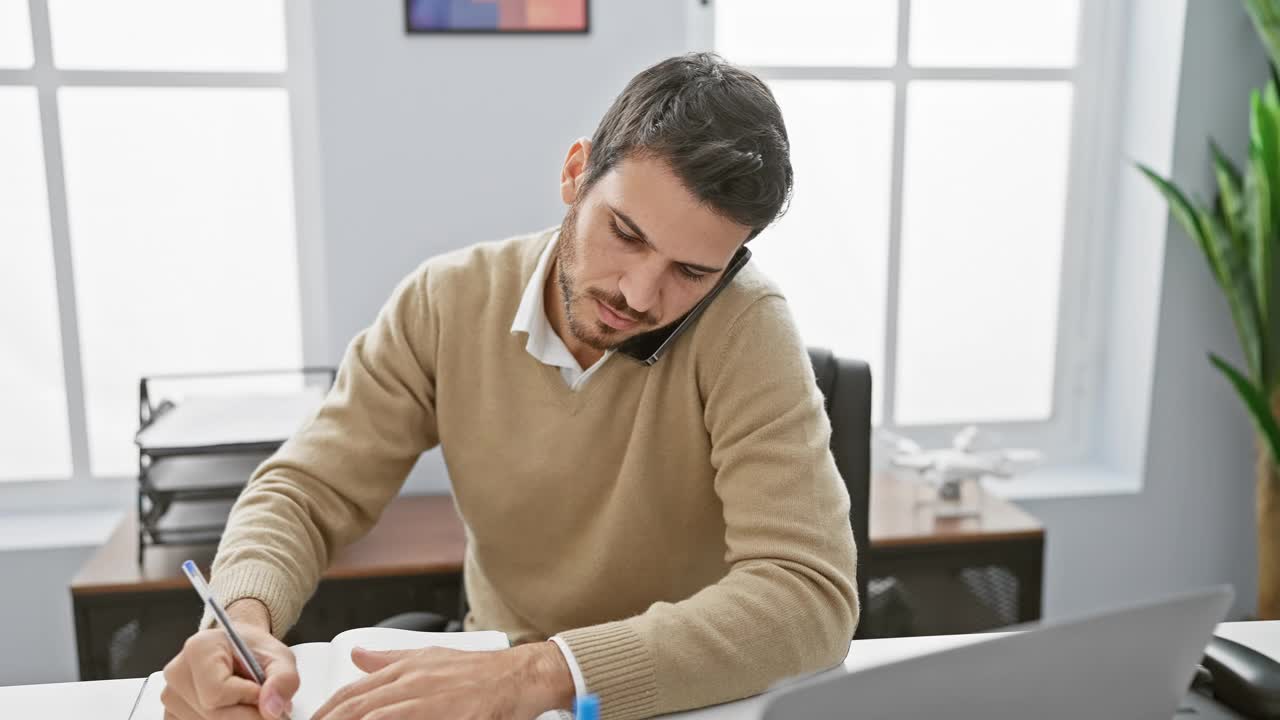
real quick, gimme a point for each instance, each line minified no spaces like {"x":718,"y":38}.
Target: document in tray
{"x":324,"y":668}
{"x":204,"y":421}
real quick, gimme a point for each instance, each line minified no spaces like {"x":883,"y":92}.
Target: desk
{"x":112,"y":699}
{"x":411,"y":560}
{"x":995,"y":560}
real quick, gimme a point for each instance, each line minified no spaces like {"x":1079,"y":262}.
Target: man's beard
{"x":589,"y":331}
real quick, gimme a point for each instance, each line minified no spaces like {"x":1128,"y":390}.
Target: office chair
{"x":846,"y":390}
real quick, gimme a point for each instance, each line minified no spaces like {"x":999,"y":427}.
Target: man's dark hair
{"x":716,"y":125}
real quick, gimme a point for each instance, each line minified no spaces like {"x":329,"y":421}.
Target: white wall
{"x":37,"y":633}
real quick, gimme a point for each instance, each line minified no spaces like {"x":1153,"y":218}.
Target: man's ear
{"x":575,"y":170}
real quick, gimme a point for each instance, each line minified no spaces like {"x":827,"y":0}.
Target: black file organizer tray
{"x":195,"y":455}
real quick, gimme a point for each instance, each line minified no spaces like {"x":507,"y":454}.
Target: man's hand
{"x":515,"y":684}
{"x":205,"y":680}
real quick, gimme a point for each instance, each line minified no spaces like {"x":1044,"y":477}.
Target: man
{"x":664,"y":536}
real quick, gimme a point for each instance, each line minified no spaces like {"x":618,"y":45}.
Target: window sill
{"x":1065,"y":482}
{"x":21,"y":532}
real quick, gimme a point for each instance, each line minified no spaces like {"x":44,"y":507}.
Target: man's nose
{"x":642,"y":284}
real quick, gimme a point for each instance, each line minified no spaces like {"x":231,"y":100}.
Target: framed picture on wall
{"x":496,"y":16}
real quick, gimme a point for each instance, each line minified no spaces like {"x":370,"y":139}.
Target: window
{"x":31,"y":353}
{"x":940,"y":148}
{"x":148,"y":218}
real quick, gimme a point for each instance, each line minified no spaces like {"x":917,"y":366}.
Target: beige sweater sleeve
{"x":788,"y":605}
{"x":328,"y":484}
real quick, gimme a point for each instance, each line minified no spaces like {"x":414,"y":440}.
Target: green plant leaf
{"x":1264,"y":115}
{"x":1238,"y":286}
{"x":1264,"y":153}
{"x":1270,"y":96}
{"x":1184,"y":212}
{"x":1257,"y":404}
{"x":1266,"y":20}
{"x":1229,"y":266}
{"x":1230,"y":200}
{"x":1261,"y":199}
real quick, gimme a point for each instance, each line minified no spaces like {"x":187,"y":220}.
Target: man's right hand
{"x":206,"y":681}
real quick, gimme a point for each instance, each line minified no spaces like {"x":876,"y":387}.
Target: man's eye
{"x":692,"y":274}
{"x":613,"y":226}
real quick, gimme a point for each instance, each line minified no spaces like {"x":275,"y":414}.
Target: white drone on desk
{"x":948,"y":469}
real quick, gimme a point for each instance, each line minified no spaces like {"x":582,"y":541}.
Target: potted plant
{"x":1239,"y":235}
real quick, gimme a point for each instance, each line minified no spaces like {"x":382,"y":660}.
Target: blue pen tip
{"x":188,"y":567}
{"x":587,"y":708}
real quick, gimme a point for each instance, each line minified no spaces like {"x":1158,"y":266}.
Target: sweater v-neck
{"x":573,"y":400}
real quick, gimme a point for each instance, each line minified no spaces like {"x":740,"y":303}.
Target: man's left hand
{"x":515,"y":684}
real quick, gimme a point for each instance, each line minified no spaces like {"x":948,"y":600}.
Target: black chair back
{"x":846,"y":390}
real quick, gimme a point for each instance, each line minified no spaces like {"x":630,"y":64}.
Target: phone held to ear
{"x":646,"y":348}
{"x":1240,"y":678}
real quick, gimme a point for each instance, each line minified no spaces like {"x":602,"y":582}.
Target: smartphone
{"x":646,"y":348}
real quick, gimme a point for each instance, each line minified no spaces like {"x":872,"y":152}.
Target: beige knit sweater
{"x":682,"y":527}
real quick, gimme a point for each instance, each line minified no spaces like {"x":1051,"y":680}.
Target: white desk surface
{"x":113,"y":699}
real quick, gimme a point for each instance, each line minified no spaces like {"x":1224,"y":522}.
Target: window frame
{"x":82,"y":488}
{"x":1066,"y":436}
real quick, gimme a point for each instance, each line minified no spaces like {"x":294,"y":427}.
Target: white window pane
{"x":228,"y":35}
{"x":33,"y":414}
{"x":807,"y":32}
{"x":15,"y":34}
{"x":829,"y":252}
{"x":994,"y":33}
{"x":181,"y":211}
{"x":983,"y":210}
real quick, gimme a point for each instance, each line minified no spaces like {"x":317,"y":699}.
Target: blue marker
{"x":587,"y":708}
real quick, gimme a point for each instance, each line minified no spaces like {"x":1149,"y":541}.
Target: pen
{"x":242,"y":650}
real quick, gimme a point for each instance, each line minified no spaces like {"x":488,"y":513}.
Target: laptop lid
{"x":1133,"y":663}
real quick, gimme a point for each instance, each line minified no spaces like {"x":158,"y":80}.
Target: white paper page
{"x":313,"y":671}
{"x":201,"y":420}
{"x":149,"y":706}
{"x":343,"y":671}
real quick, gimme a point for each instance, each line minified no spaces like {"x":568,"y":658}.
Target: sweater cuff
{"x":260,"y":581}
{"x":575,"y":670}
{"x":617,"y":668}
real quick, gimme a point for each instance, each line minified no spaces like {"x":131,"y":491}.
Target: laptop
{"x":1135,"y":663}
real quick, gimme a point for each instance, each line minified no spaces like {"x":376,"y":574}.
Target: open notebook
{"x":324,"y":667}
